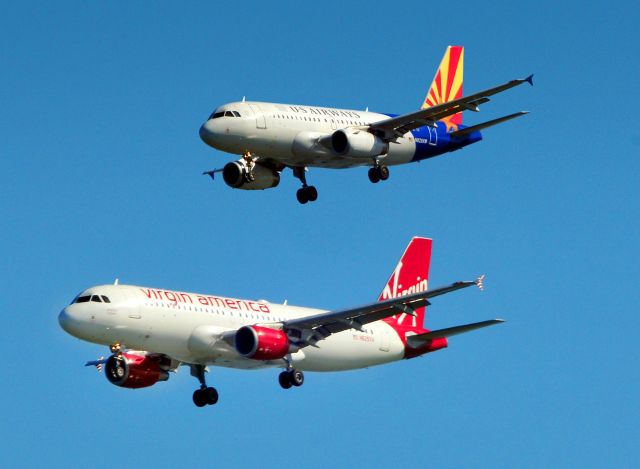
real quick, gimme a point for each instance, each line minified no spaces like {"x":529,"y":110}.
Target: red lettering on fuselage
{"x":170,"y":296}
{"x":215,"y":301}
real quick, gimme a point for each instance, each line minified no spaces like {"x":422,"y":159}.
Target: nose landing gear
{"x":250,"y":162}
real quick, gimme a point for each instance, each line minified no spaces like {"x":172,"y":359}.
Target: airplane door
{"x":136,"y":325}
{"x":433,"y":136}
{"x":261,"y":123}
{"x":384,"y":343}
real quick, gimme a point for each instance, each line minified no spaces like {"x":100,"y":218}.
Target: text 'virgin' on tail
{"x":411,"y":275}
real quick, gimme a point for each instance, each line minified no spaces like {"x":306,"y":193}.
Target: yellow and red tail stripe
{"x":447,"y":84}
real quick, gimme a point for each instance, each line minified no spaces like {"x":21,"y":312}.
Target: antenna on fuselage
{"x":116,"y":281}
{"x":244,"y":98}
{"x":366,"y":109}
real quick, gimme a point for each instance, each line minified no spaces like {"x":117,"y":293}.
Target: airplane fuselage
{"x":197,"y":328}
{"x":290,"y":134}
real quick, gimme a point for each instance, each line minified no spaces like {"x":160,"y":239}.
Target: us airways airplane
{"x":271,"y":137}
{"x":151,"y":331}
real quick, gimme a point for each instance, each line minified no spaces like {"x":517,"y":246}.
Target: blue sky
{"x":101,"y":163}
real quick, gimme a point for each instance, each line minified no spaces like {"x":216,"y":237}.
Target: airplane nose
{"x":207,"y":133}
{"x":65,"y":320}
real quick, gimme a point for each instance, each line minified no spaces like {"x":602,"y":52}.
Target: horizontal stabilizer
{"x":102,"y":361}
{"x":421,"y":339}
{"x":466,"y":131}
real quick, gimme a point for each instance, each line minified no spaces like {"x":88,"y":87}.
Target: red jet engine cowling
{"x":134,"y":371}
{"x":262,"y":343}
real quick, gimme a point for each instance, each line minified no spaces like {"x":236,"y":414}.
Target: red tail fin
{"x":411,"y":275}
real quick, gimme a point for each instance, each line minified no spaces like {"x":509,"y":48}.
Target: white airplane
{"x":163,"y":329}
{"x":271,"y":137}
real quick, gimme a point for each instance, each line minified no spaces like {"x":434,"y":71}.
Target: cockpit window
{"x":82,"y":299}
{"x":105,"y":299}
{"x":96,"y":298}
{"x":215,"y":115}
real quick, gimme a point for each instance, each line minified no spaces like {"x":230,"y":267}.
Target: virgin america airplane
{"x":271,"y":136}
{"x":151,"y":332}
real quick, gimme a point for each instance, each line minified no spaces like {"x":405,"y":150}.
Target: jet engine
{"x":237,"y":175}
{"x":358,"y":144}
{"x":262,"y":343}
{"x":134,"y":371}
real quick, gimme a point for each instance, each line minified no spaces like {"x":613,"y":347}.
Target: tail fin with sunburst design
{"x":447,"y":85}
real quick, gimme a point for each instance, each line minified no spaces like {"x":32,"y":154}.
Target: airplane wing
{"x":468,"y":130}
{"x":421,"y":339}
{"x":395,"y":127}
{"x":310,"y":329}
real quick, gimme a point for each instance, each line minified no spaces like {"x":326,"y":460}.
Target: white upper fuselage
{"x":289,"y":133}
{"x":197,"y":328}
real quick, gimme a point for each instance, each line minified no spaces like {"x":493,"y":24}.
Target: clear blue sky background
{"x":100,"y":105}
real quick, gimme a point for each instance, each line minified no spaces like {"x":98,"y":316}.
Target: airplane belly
{"x":170,"y":330}
{"x":306,"y":149}
{"x":352,"y":349}
{"x":401,"y":152}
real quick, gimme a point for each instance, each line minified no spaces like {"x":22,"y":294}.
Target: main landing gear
{"x":205,"y":395}
{"x":291,"y":376}
{"x":306,"y":193}
{"x":378,"y":173}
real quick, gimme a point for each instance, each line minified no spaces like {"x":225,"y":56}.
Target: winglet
{"x":529,"y":79}
{"x":480,"y":282}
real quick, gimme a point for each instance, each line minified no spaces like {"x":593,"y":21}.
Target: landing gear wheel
{"x":307,"y":194}
{"x":284,"y":381}
{"x":312,"y":193}
{"x":296,"y":377}
{"x":205,"y":396}
{"x":211,"y":395}
{"x":302,"y":195}
{"x":199,"y":399}
{"x":378,"y":173}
